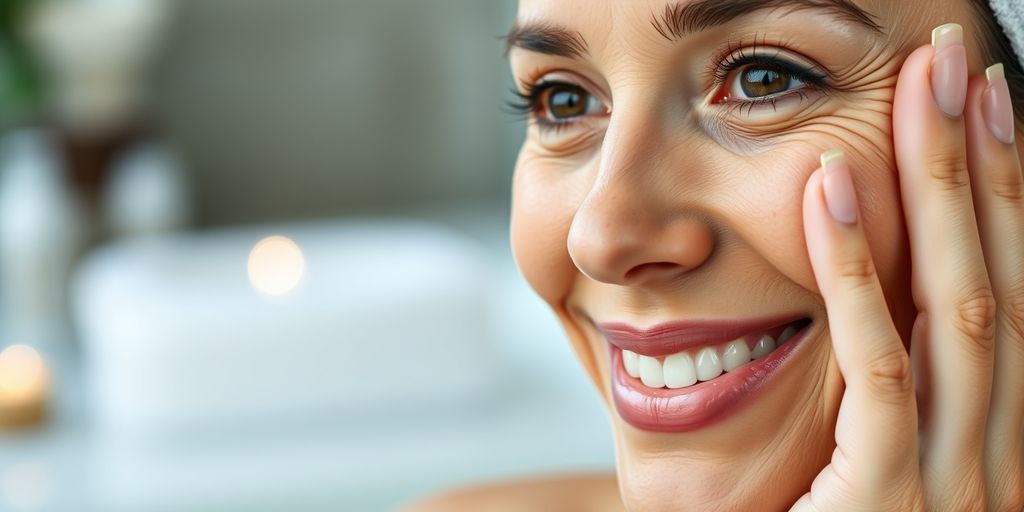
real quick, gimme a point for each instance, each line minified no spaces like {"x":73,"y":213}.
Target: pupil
{"x":566,"y":103}
{"x":758,"y":82}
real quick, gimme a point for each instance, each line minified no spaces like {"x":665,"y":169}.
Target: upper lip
{"x":671,"y":337}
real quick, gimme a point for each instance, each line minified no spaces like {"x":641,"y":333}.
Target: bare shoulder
{"x":566,"y":493}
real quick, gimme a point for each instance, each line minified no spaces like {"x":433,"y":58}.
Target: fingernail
{"x":838,"y":185}
{"x":949,"y":69}
{"x":995,"y":104}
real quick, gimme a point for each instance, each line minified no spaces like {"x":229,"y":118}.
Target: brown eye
{"x":566,"y":102}
{"x":762,"y":81}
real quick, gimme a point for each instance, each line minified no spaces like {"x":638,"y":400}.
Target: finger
{"x":877,"y":426}
{"x":998,"y":191}
{"x":950,"y":283}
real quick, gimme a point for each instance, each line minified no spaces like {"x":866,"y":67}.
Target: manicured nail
{"x":949,"y":69}
{"x":995,"y":104}
{"x":838,"y":185}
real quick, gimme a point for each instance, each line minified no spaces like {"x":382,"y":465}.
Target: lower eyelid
{"x":564,"y":144}
{"x":582,"y":121}
{"x":748,"y":123}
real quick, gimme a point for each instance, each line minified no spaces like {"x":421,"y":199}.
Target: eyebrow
{"x":686,"y":18}
{"x":678,"y":20}
{"x":546,"y":38}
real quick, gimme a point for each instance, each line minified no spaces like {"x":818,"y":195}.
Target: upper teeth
{"x":684,"y":369}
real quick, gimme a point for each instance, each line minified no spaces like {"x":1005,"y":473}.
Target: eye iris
{"x":567,"y":102}
{"x":758,"y":82}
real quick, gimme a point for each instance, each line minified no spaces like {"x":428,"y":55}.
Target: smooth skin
{"x":909,"y":393}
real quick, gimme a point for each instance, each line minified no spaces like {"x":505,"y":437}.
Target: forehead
{"x":566,"y":10}
{"x":596,"y":19}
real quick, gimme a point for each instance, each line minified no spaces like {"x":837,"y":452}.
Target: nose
{"x":638,"y":225}
{"x":617,"y":244}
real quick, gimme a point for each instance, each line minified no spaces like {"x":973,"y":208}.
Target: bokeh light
{"x":276,"y":265}
{"x":22,"y":374}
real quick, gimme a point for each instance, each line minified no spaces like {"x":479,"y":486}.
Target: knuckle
{"x":889,"y":377}
{"x":1008,"y":187}
{"x":948,"y":169}
{"x":856,"y":272}
{"x":974,"y":316}
{"x":1011,"y":315}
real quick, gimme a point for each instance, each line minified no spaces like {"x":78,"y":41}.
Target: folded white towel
{"x":1010,"y":15}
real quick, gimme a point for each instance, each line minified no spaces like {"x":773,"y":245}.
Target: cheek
{"x":760,"y":196}
{"x":864,"y":133}
{"x":543,"y":203}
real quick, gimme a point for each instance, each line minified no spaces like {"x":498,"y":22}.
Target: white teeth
{"x":764,"y":345}
{"x":679,"y":371}
{"x":786,"y":334}
{"x":708,"y":364}
{"x":650,"y":372}
{"x":632,"y":363}
{"x":684,"y":369}
{"x":736,"y":354}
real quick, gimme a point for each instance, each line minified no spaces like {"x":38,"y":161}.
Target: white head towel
{"x":1010,"y":15}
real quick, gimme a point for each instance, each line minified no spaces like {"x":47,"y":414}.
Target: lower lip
{"x":700,"y":405}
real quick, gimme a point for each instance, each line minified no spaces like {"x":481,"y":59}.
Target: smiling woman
{"x":761,"y":224}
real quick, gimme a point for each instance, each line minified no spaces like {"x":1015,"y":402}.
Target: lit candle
{"x":23,"y":386}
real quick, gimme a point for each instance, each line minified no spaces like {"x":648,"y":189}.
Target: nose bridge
{"x":637,"y":222}
{"x":629,"y":139}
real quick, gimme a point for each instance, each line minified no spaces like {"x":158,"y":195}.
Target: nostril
{"x":661,"y":269}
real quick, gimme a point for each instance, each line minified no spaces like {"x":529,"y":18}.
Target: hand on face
{"x":955,"y":444}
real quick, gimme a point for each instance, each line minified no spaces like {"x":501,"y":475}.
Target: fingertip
{"x":914,"y":86}
{"x":990,"y":107}
{"x":913,"y":106}
{"x":916,"y":70}
{"x":975,"y":88}
{"x":838,"y":187}
{"x":813,"y":189}
{"x":817,"y":235}
{"x":978,"y":133}
{"x":814,"y":201}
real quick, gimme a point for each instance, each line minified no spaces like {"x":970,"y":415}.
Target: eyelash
{"x":737,"y":59}
{"x":527,"y":104}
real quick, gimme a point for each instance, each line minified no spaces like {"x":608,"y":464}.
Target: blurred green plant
{"x":19,"y":80}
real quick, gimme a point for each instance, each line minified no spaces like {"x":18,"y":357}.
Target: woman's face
{"x":661,"y":183}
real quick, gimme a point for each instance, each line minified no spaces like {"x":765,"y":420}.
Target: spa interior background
{"x":254,"y":257}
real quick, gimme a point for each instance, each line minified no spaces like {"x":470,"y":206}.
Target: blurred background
{"x":253,"y":256}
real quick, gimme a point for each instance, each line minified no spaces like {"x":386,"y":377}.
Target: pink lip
{"x":672,"y":337}
{"x":700,"y":405}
